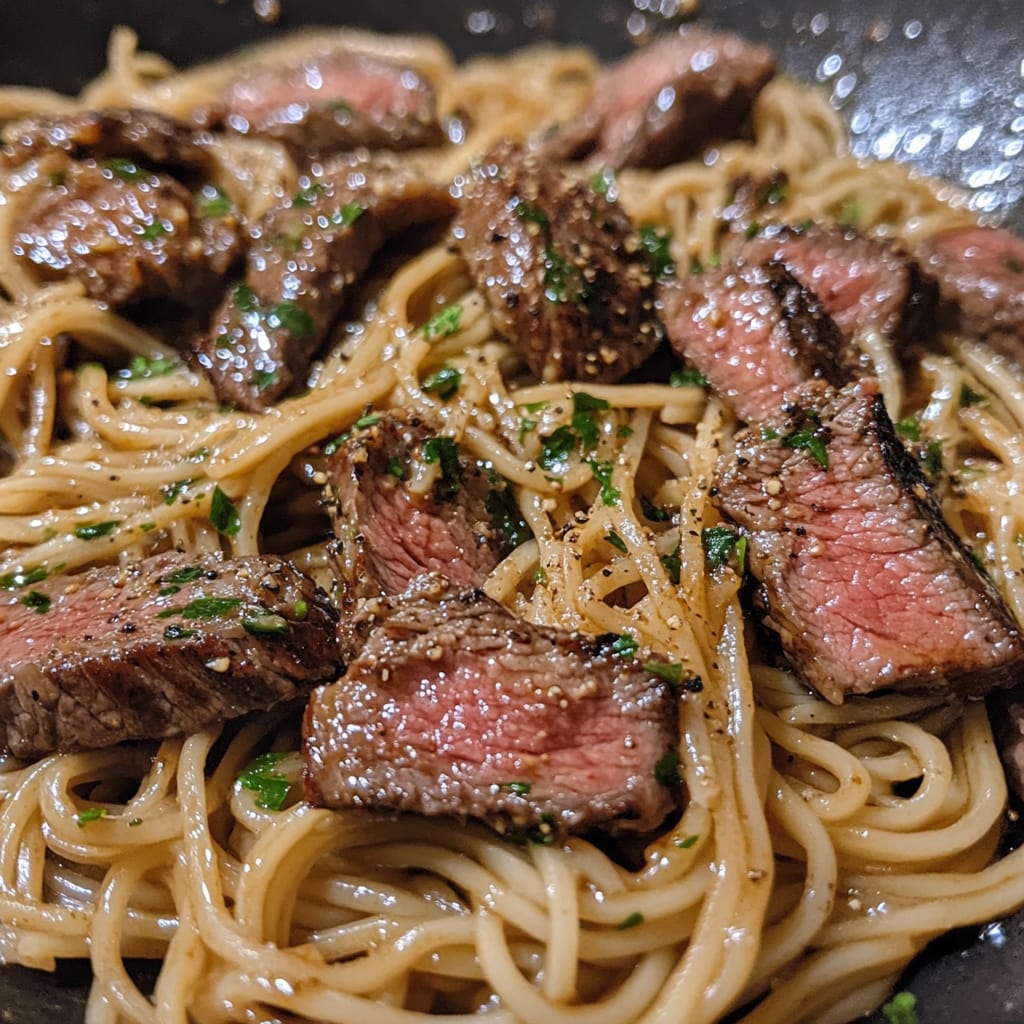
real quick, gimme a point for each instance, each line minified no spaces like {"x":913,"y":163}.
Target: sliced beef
{"x":981,"y":281}
{"x":306,"y":254}
{"x":561,"y":266}
{"x":167,"y":647}
{"x":332,"y":102}
{"x":667,"y":101}
{"x":456,"y":708}
{"x":860,"y":577}
{"x":388,"y":535}
{"x":864,"y":284}
{"x":144,"y":135}
{"x":755,"y":333}
{"x":128,"y":234}
{"x":751,"y":199}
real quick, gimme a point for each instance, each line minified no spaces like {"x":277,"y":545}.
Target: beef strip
{"x":667,"y":101}
{"x":332,"y":102}
{"x":305,"y":255}
{"x":454,"y":707}
{"x":864,"y":284}
{"x":565,"y":273}
{"x":133,"y":134}
{"x":166,"y":647}
{"x":389,"y":535}
{"x":754,"y":332}
{"x":861,"y":578}
{"x":126,"y":233}
{"x":981,"y":282}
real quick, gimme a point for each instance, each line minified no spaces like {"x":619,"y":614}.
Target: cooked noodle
{"x":797,"y":872}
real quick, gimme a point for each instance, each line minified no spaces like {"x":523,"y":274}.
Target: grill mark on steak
{"x":452,"y":700}
{"x":562,"y":268}
{"x":667,"y":101}
{"x":387,"y":535}
{"x":981,"y":282}
{"x":119,"y":657}
{"x":861,"y":578}
{"x":864,"y":284}
{"x":754,"y":332}
{"x":127,"y":239}
{"x":333,"y":102}
{"x":305,"y":256}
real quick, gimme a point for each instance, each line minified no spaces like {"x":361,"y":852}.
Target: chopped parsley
{"x":263,"y":379}
{"x":84,"y":818}
{"x":445,"y":323}
{"x":540,"y":575}
{"x":657,"y":241}
{"x":753,"y":230}
{"x":301,"y":609}
{"x":557,"y":448}
{"x":670,"y":672}
{"x":603,"y":182}
{"x":616,"y":541}
{"x":264,"y":623}
{"x":519,"y":788}
{"x":773,"y":192}
{"x":602,"y":471}
{"x":688,"y":377}
{"x":199,"y":455}
{"x":223,"y":514}
{"x":176,"y":632}
{"x":968,"y":396}
{"x":901,"y":1009}
{"x":23,"y":578}
{"x":544,"y":833}
{"x":533,"y":214}
{"x":666,"y":769}
{"x":631,"y":921}
{"x":444,"y":382}
{"x":932,"y":459}
{"x":92,"y":531}
{"x":124,"y":169}
{"x":653,"y":513}
{"x":367,"y":421}
{"x":345,"y":216}
{"x":213,"y":202}
{"x":203,"y":608}
{"x":506,"y":517}
{"x":37,"y":601}
{"x":849,"y":214}
{"x":307,"y":196}
{"x":625,"y":646}
{"x":153,"y":230}
{"x":262,"y":778}
{"x":719,"y":543}
{"x":396,"y":467}
{"x":673,"y":563}
{"x":244,"y":298}
{"x":583,"y":422}
{"x":292,"y":317}
{"x":143,"y":368}
{"x":910,"y":428}
{"x":559,"y":278}
{"x":135,"y":823}
{"x":172,"y":492}
{"x":809,"y":438}
{"x":687,"y":843}
{"x":444,"y":452}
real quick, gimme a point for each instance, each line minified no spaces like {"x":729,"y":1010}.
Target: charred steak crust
{"x":386,"y":534}
{"x":865,"y":584}
{"x":755,"y":332}
{"x":454,"y":707}
{"x":167,"y":647}
{"x":561,"y":266}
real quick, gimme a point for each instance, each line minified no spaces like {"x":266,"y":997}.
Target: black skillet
{"x":937,"y":83}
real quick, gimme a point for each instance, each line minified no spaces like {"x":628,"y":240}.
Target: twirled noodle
{"x":821,"y":847}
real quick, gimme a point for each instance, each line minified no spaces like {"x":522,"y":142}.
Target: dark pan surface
{"x":937,"y":83}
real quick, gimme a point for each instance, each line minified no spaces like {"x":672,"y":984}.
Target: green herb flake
{"x":849,"y":214}
{"x":624,"y":430}
{"x":968,"y":396}
{"x":602,"y":471}
{"x":666,"y":769}
{"x":808,"y":439}
{"x":168,"y":591}
{"x":653,"y":513}
{"x":625,"y":646}
{"x":306,"y":197}
{"x":153,"y":230}
{"x":773,"y":192}
{"x":544,"y":833}
{"x":688,"y":377}
{"x":753,"y":230}
{"x":557,"y":448}
{"x":263,"y":379}
{"x":540,"y":575}
{"x":83,"y":818}
{"x":631,"y":921}
{"x":901,"y":1009}
{"x":526,"y":426}
{"x":172,"y":492}
{"x":176,"y":632}
{"x":445,"y":323}
{"x":135,"y":823}
{"x":741,"y":548}
{"x":124,"y":169}
{"x":696,"y":267}
{"x":670,"y":672}
{"x":444,"y":382}
{"x":673,"y":564}
{"x":718,"y":543}
{"x":532,"y":214}
{"x":519,"y":788}
{"x":616,"y":541}
{"x":23,"y":578}
{"x":603,"y":182}
{"x":143,"y":368}
{"x":506,"y":517}
{"x":560,"y":278}
{"x":932,"y":459}
{"x":147,"y":527}
{"x":444,"y":452}
{"x":244,"y":298}
{"x":291,"y":317}
{"x":93,"y":531}
{"x":688,"y":843}
{"x":335,"y":443}
{"x":262,"y":778}
{"x":345,"y":216}
{"x":213,"y":202}
{"x":396,"y":467}
{"x":223,"y":514}
{"x":37,"y":601}
{"x":301,"y":609}
{"x":657,"y":242}
{"x":910,"y":428}
{"x":203,"y":608}
{"x":266,"y":624}
{"x":189,"y":574}
{"x":583,"y":422}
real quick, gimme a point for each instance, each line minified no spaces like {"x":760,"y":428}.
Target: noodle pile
{"x":808,"y":866}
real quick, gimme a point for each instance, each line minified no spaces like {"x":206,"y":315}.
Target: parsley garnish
{"x":153,"y":230}
{"x":506,"y":517}
{"x":444,"y":382}
{"x":37,"y":601}
{"x":901,"y":1009}
{"x":533,"y":214}
{"x":656,"y":241}
{"x":933,"y":459}
{"x":263,"y":379}
{"x":292,"y":317}
{"x":396,"y":468}
{"x":687,"y":843}
{"x":124,"y":169}
{"x":666,"y":769}
{"x":176,"y":632}
{"x":445,"y":323}
{"x":603,"y":182}
{"x":223,"y":514}
{"x":603,"y":475}
{"x":583,"y":422}
{"x":653,"y":513}
{"x":213,"y":202}
{"x":849,"y":215}
{"x":910,"y":428}
{"x":519,"y":788}
{"x":540,"y":575}
{"x":673,"y":564}
{"x":91,"y":531}
{"x":83,"y":818}
{"x":306,"y":196}
{"x":262,"y":777}
{"x":719,"y":542}
{"x":625,"y":646}
{"x":807,"y":438}
{"x":203,"y":608}
{"x":559,"y":275}
{"x":631,"y":921}
{"x":557,"y":448}
{"x":772,"y":192}
{"x":968,"y":396}
{"x":688,"y":377}
{"x":263,"y":623}
{"x":23,"y":578}
{"x":141,"y":368}
{"x":172,"y":492}
{"x":671,"y":672}
{"x":616,"y":541}
{"x":445,"y":452}
{"x":348,"y":214}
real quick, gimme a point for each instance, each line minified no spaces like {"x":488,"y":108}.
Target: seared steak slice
{"x":306,"y":254}
{"x":754,"y":332}
{"x":865,"y":584}
{"x":126,"y":233}
{"x":561,"y":266}
{"x":129,"y":133}
{"x":167,"y":647}
{"x":667,"y":101}
{"x":864,"y":284}
{"x":456,"y":707}
{"x":387,"y":534}
{"x":332,"y":102}
{"x":981,"y":281}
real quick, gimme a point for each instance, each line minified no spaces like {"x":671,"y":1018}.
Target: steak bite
{"x":755,"y":333}
{"x":565,"y":273}
{"x":127,"y":234}
{"x":981,"y":281}
{"x":169,"y":646}
{"x":454,"y":707}
{"x":306,"y":254}
{"x":864,"y":284}
{"x":332,"y":102}
{"x":388,"y":534}
{"x":861,"y":578}
{"x":667,"y":101}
